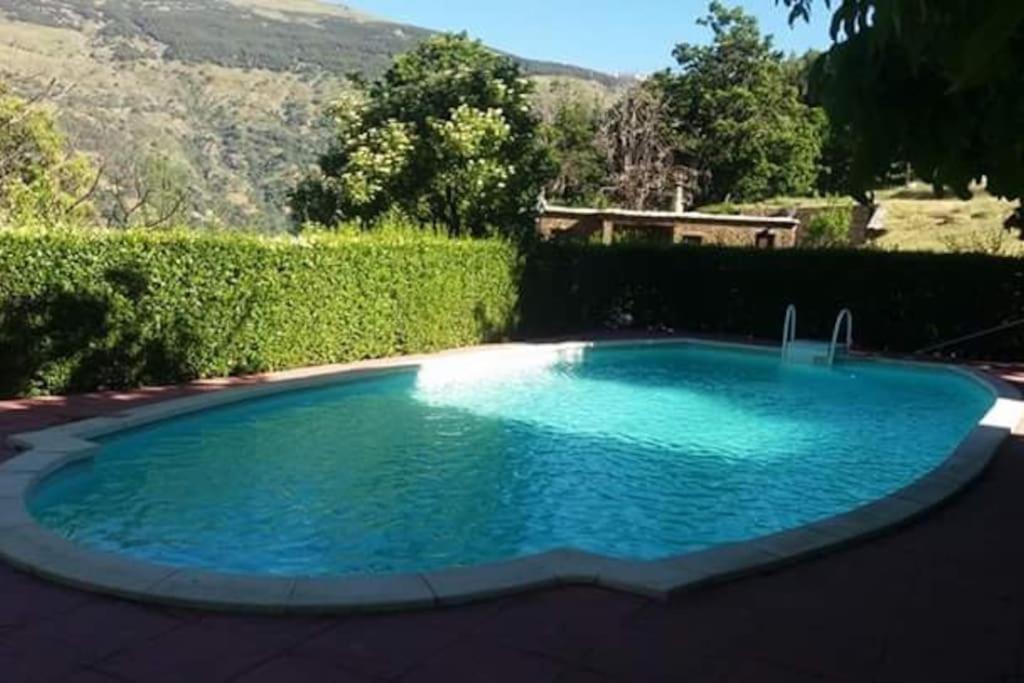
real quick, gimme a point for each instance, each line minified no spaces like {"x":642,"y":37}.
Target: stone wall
{"x":723,"y":233}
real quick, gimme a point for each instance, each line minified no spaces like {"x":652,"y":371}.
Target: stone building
{"x":611,"y":225}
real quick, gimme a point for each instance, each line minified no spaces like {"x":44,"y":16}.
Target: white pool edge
{"x":27,"y":545}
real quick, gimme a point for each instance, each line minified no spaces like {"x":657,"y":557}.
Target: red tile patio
{"x":941,"y":600}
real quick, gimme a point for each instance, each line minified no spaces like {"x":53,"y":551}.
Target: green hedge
{"x":86,"y":310}
{"x":902,"y":302}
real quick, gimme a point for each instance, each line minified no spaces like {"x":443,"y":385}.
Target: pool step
{"x":810,"y":352}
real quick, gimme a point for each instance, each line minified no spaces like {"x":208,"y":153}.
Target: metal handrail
{"x":788,"y":330}
{"x":847,"y":315}
{"x":971,"y":337}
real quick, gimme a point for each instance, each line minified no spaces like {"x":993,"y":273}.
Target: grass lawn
{"x":918,"y":221}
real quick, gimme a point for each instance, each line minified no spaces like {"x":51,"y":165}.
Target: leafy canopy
{"x":571,"y":137}
{"x":936,"y":83}
{"x":42,"y":182}
{"x":446,"y":135}
{"x":738,"y":114}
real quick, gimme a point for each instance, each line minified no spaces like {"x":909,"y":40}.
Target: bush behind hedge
{"x":902,"y":302}
{"x":81,"y":310}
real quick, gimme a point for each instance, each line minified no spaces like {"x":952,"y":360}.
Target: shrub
{"x":828,"y":228}
{"x":86,"y":310}
{"x":902,"y":302}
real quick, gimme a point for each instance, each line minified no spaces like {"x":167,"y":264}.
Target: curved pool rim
{"x":28,"y":545}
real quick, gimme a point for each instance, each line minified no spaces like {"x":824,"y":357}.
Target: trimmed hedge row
{"x":85,"y":310}
{"x":902,"y":302}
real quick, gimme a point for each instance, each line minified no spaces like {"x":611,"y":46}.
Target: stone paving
{"x":942,"y":600}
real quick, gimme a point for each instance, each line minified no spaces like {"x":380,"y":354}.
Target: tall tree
{"x":42,"y":180}
{"x":936,"y":83}
{"x":738,"y":115}
{"x":572,"y":137}
{"x":446,"y":135}
{"x":639,"y":149}
{"x":833,"y":176}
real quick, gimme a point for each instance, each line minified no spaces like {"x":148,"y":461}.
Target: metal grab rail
{"x":844,"y":315}
{"x":971,"y":337}
{"x":788,"y":331}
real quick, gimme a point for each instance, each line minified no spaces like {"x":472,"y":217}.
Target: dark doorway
{"x":765,"y":240}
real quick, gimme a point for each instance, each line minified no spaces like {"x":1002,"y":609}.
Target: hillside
{"x":916,"y":220}
{"x":230,"y":91}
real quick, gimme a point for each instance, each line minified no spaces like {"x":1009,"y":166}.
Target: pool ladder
{"x":815,"y":352}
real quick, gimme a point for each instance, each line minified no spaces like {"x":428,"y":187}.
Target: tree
{"x":152,"y":193}
{"x":935,"y":83}
{"x":833,"y":176}
{"x":798,"y":69}
{"x":447,"y":135}
{"x":737,"y":113}
{"x":42,"y":181}
{"x":639,"y":150}
{"x":572,"y":138}
{"x":828,"y":228}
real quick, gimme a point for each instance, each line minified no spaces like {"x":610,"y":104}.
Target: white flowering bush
{"x":447,"y":136}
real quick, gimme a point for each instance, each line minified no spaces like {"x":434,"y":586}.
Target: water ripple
{"x":638,"y":453}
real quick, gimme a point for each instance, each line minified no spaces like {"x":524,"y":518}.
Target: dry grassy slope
{"x":916,"y":220}
{"x":282,"y":8}
{"x":244,"y":133}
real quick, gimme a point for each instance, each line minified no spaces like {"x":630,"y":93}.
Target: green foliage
{"x":447,"y":135}
{"x":828,"y":228}
{"x":798,"y":69}
{"x":42,"y":182}
{"x":834,"y":165}
{"x":81,"y":310}
{"x":738,"y":114}
{"x":936,"y":84}
{"x":154,"y":192}
{"x":571,"y":135}
{"x":228,"y":90}
{"x":902,"y":301}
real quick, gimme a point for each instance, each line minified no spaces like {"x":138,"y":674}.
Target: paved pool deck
{"x":940,"y":600}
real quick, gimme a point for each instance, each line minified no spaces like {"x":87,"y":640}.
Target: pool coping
{"x":28,"y":545}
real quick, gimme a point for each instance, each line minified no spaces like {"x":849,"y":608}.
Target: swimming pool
{"x":638,"y":453}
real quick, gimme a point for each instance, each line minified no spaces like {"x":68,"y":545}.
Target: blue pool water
{"x":636,"y":452}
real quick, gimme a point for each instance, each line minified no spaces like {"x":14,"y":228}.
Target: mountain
{"x":230,"y":92}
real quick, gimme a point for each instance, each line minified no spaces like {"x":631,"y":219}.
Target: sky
{"x":615,"y":36}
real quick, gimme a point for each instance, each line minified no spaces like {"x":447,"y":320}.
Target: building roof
{"x":781,"y":222}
